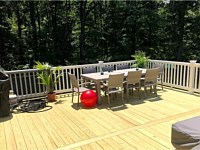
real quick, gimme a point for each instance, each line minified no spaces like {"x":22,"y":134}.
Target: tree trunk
{"x":38,"y":20}
{"x":19,"y":23}
{"x":55,"y":26}
{"x":181,"y":24}
{"x":82,"y":34}
{"x":83,"y":16}
{"x":47,"y":50}
{"x":134,"y":28}
{"x":68,"y":33}
{"x":34,"y":31}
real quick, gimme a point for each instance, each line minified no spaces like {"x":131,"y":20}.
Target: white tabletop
{"x":99,"y":76}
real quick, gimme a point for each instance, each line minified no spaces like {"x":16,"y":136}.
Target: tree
{"x":75,"y":32}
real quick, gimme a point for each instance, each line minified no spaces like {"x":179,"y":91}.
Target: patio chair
{"x":150,"y":80}
{"x":87,"y":70}
{"x":76,"y":87}
{"x":108,"y":68}
{"x":114,"y":85}
{"x":133,"y":81}
{"x":120,"y":67}
{"x":160,"y":74}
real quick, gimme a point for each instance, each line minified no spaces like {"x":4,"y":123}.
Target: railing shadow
{"x":184,"y":91}
{"x":19,"y":111}
{"x":118,"y":108}
{"x":116,"y":103}
{"x":59,"y":102}
{"x":114,"y":107}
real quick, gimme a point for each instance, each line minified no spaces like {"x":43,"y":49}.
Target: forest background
{"x":80,"y":32}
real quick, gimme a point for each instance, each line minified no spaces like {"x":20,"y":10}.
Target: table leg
{"x":98,"y":91}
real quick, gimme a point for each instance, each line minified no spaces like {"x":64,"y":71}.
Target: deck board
{"x":9,"y":136}
{"x":96,"y":146}
{"x":20,"y":141}
{"x":122,"y":127}
{"x":48,"y":120}
{"x":47,"y":139}
{"x":2,"y":136}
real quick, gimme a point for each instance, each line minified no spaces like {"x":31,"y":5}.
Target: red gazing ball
{"x":88,"y":98}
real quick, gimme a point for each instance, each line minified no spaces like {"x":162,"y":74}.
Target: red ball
{"x":88,"y":98}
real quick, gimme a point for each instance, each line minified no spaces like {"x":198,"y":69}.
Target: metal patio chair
{"x":76,"y":87}
{"x":150,"y":80}
{"x":160,"y":74}
{"x":87,"y":70}
{"x":133,"y":82}
{"x":114,"y":85}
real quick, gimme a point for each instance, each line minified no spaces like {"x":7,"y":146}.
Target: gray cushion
{"x":89,"y":70}
{"x":108,"y":68}
{"x":119,"y":67}
{"x":186,"y":134}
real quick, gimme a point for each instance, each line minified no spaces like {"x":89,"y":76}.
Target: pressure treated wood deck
{"x":140,"y":124}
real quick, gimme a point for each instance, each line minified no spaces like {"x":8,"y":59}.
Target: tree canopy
{"x":76,"y":32}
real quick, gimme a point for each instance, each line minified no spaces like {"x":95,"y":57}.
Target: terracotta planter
{"x":51,"y":97}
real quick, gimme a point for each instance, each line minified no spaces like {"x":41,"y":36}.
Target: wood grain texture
{"x":140,"y":124}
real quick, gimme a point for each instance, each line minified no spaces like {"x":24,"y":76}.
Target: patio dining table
{"x":99,"y":77}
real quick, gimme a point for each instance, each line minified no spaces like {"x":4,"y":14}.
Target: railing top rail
{"x":79,"y":66}
{"x":21,"y":71}
{"x":96,"y":64}
{"x":197,"y":64}
{"x":68,"y":67}
{"x":171,"y":62}
{"x":119,"y":62}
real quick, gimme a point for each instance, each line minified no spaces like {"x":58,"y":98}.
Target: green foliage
{"x":45,"y":75}
{"x":141,"y":59}
{"x":1,"y":69}
{"x":112,"y":31}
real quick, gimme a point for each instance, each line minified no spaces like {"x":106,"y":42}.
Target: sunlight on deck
{"x":140,"y":124}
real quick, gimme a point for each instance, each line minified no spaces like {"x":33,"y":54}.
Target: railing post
{"x":191,"y":79}
{"x":101,"y":66}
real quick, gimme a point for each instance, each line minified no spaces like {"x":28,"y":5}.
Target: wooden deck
{"x":140,"y":124}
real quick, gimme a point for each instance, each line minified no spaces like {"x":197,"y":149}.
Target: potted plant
{"x":141,"y":59}
{"x":45,"y":75}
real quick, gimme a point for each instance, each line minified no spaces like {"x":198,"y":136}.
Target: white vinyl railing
{"x":24,"y":83}
{"x":181,"y":75}
{"x":176,"y":74}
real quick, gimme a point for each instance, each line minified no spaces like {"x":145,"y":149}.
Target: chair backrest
{"x":160,"y":67}
{"x":89,"y":70}
{"x":134,"y":77}
{"x":119,"y":67}
{"x":108,"y":68}
{"x":73,"y":80}
{"x":115,"y":80}
{"x":151,"y":75}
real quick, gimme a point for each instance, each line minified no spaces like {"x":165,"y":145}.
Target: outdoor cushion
{"x":186,"y":134}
